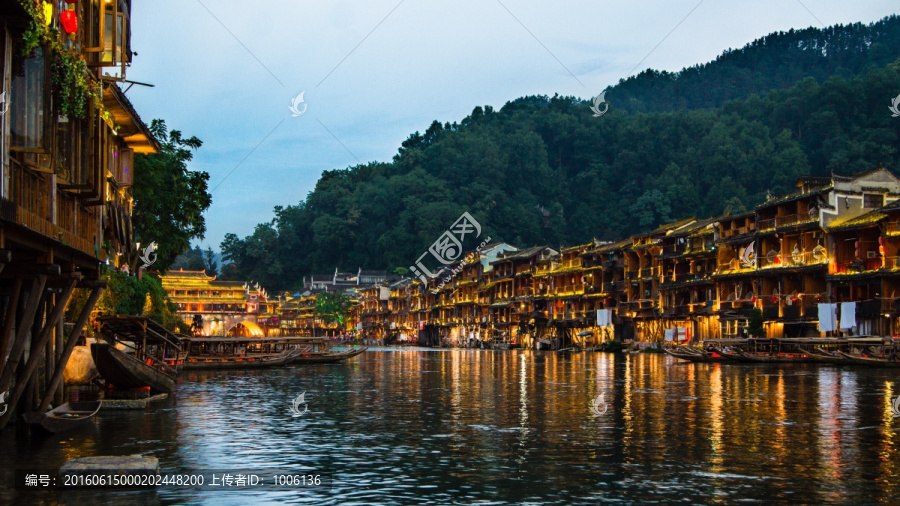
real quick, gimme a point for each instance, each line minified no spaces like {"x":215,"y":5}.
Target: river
{"x":459,"y":426}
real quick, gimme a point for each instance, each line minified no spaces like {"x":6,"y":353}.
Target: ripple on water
{"x":460,"y":426}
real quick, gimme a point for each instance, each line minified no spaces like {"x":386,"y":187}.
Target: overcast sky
{"x":374,"y":71}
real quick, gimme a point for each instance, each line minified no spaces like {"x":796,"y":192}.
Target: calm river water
{"x":460,"y":426}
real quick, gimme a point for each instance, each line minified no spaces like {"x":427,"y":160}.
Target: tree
{"x":755,"y":323}
{"x":190,"y":260}
{"x":333,"y":307}
{"x":212,"y":267}
{"x":169,"y":198}
{"x":127,"y":295}
{"x":543,"y":170}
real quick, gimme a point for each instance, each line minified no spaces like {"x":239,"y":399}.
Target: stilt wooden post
{"x":56,"y":381}
{"x":11,"y":310}
{"x":28,"y":373}
{"x":34,"y":298}
{"x":60,"y":329}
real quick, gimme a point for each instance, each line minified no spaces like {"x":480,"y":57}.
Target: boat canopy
{"x":136,"y":329}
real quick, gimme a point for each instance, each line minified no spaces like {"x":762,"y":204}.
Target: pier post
{"x":15,"y":354}
{"x":12,"y":307}
{"x":39,"y":343}
{"x":56,"y":381}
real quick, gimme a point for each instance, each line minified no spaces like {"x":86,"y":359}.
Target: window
{"x":873,"y":200}
{"x":106,"y":35}
{"x":29,"y":103}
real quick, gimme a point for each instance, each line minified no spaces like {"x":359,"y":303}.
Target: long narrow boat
{"x":65,"y":417}
{"x":869,"y":361}
{"x":698,"y":355}
{"x":779,"y":358}
{"x":307,"y":357}
{"x":124,"y":371}
{"x":241,"y":362}
{"x":825,"y":357}
{"x":154,"y":359}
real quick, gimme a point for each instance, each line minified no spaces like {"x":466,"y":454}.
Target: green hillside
{"x":545,"y":171}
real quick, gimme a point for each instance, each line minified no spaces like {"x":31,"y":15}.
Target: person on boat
{"x":892,"y":357}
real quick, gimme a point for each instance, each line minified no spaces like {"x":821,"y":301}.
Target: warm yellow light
{"x":48,"y":13}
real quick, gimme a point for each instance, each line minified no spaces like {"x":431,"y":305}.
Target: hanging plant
{"x":71,"y":82}
{"x":69,"y":85}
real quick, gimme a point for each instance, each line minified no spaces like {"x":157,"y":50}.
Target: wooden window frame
{"x":866,"y":204}
{"x":19,"y":109}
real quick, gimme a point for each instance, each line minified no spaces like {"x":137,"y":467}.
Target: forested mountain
{"x":776,"y":61}
{"x":545,"y":171}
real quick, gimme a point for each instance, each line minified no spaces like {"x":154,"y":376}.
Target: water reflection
{"x":476,"y":425}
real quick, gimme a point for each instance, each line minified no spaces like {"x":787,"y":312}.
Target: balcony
{"x":795,"y":219}
{"x":78,"y":226}
{"x":862,"y":265}
{"x":794,"y":260}
{"x":734,"y":232}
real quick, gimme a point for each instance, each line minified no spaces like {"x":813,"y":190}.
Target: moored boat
{"x":308,"y":357}
{"x":694,"y":355}
{"x":245,"y":352}
{"x":869,"y":361}
{"x":124,"y":371}
{"x":138,"y":352}
{"x":238,"y":362}
{"x":65,"y":417}
{"x":781,"y":357}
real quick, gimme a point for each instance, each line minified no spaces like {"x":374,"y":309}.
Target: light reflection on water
{"x":509,"y":426}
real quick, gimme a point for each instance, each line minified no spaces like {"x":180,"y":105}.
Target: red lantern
{"x":69,"y":21}
{"x":774,"y":299}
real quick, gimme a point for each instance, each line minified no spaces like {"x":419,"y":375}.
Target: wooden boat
{"x":869,"y":361}
{"x":306,"y":357}
{"x":124,"y":371}
{"x":781,"y":358}
{"x":241,"y":362}
{"x":65,"y":417}
{"x":155,"y":358}
{"x":825,"y":357}
{"x":693,"y":355}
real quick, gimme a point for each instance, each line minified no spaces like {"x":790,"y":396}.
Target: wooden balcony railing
{"x":862,"y":265}
{"x":76,"y":226}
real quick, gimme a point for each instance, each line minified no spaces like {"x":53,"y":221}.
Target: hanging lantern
{"x":774,"y":299}
{"x":69,"y":21}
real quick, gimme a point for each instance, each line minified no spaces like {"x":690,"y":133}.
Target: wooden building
{"x":220,"y":308}
{"x":69,"y":136}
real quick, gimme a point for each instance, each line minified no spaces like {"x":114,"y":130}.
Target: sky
{"x":374,"y":71}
